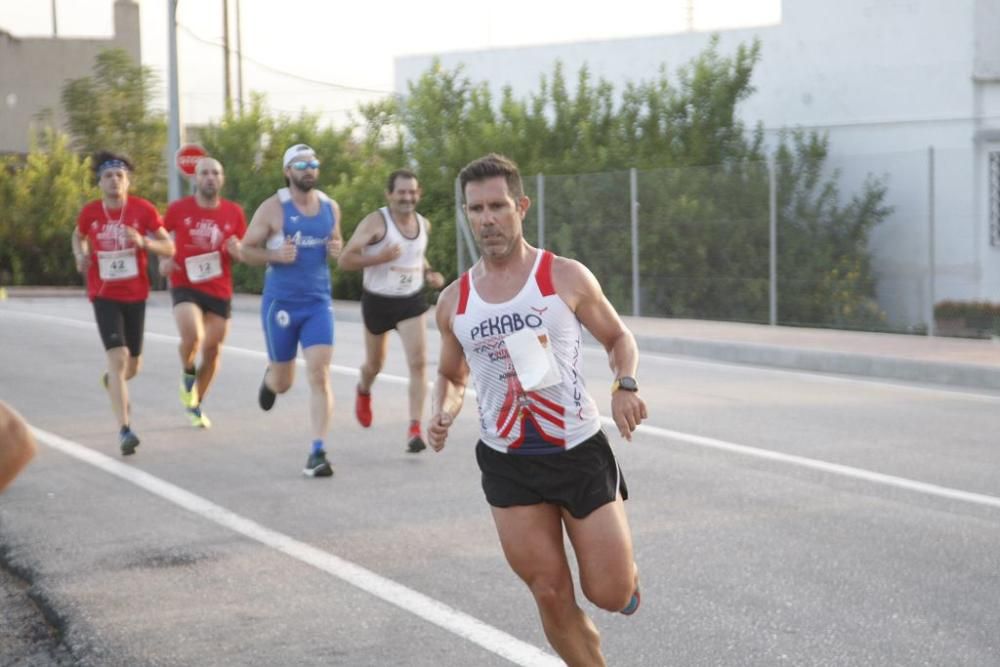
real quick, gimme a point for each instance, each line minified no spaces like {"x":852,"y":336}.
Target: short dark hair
{"x":491,"y":166}
{"x":390,"y":185}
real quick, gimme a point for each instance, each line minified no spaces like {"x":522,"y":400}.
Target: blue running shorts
{"x":289,"y":323}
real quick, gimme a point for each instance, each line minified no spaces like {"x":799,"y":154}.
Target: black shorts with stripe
{"x":580,"y":479}
{"x":382,"y":313}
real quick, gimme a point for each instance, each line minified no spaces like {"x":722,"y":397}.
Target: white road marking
{"x":418,"y":604}
{"x":690,"y":438}
{"x":816,"y":464}
{"x":815,"y":376}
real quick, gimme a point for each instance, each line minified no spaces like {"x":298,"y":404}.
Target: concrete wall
{"x":34,"y":70}
{"x":886,"y":79}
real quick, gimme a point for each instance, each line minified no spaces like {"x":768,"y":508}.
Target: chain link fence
{"x":862,"y":243}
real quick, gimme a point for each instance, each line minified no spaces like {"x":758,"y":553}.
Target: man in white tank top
{"x":513,"y":323}
{"x":390,"y":246}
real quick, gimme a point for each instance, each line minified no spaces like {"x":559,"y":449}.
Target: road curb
{"x":823,"y":361}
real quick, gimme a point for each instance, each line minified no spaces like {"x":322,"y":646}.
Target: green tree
{"x":111,"y":110}
{"x":40,"y":197}
{"x":703,"y":187}
{"x":825,"y":274}
{"x":250,"y":146}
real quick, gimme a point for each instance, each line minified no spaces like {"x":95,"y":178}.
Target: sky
{"x":329,"y":56}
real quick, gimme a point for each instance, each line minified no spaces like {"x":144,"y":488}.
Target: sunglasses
{"x":302,"y":165}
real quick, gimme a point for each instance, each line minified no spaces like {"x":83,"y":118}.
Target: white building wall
{"x":886,"y":79}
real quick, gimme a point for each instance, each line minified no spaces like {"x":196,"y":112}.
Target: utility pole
{"x":55,"y":26}
{"x":173,"y":105}
{"x":228,"y":101}
{"x":239,"y":59}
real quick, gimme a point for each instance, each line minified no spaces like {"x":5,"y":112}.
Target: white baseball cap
{"x":295,"y":150}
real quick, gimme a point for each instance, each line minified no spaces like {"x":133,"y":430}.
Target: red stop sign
{"x":188,"y":156}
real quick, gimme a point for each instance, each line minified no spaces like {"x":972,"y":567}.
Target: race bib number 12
{"x":204,"y":267}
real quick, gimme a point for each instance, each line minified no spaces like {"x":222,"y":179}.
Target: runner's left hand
{"x":434,"y":279}
{"x":333,"y":247}
{"x":233,"y":247}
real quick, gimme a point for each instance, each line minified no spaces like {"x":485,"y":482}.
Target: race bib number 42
{"x":117,"y":264}
{"x":204,"y":267}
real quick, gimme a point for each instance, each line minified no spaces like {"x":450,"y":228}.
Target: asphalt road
{"x":779,"y":518}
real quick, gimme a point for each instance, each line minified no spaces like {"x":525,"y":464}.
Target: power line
{"x":275,"y":70}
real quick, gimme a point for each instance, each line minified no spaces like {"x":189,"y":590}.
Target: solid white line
{"x":816,"y":464}
{"x":661,"y":357}
{"x":702,"y":441}
{"x":418,"y":604}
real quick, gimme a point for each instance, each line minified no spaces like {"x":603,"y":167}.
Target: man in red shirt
{"x":206,"y":229}
{"x":110,"y":242}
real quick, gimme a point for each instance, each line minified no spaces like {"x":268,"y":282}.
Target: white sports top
{"x":514,"y":420}
{"x":404,"y":275}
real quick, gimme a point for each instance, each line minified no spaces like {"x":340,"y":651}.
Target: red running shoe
{"x":363,"y":408}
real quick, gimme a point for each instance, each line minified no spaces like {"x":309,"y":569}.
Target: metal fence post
{"x":459,"y":258}
{"x":634,"y":193}
{"x":931,"y":259}
{"x":462,"y":233}
{"x":540,"y":187}
{"x":772,"y":206}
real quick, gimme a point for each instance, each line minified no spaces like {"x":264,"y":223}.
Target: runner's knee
{"x":209,"y":353}
{"x":417,"y":366}
{"x":551,"y":593}
{"x":319,"y":377}
{"x":609,"y":592}
{"x":372,"y":367}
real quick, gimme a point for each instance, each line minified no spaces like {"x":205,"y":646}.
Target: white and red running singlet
{"x":511,"y":419}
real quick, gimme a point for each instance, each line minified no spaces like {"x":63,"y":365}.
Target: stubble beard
{"x":209,"y":193}
{"x":301,"y":185}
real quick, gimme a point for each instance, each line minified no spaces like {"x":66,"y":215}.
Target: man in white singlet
{"x":390,"y":245}
{"x":513,"y":322}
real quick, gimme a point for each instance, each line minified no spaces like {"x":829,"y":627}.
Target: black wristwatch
{"x":625,"y":383}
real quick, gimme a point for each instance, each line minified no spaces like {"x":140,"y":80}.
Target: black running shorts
{"x":383,"y":313}
{"x":580,"y":479}
{"x":120,"y":324}
{"x":208,"y":304}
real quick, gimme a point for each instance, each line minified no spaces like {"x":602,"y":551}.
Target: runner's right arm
{"x":453,"y":372}
{"x":81,"y":251}
{"x":368,"y":231}
{"x":265,"y":223}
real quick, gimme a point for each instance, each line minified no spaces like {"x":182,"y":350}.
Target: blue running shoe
{"x":633,"y":604}
{"x":317,"y":465}
{"x":128,"y":441}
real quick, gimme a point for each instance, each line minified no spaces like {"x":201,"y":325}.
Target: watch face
{"x":628,"y":384}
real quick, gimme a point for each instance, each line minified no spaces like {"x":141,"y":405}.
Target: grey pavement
{"x":956,"y":362}
{"x":758,"y":544}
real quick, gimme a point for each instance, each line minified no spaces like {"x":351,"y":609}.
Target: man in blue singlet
{"x":295,"y":233}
